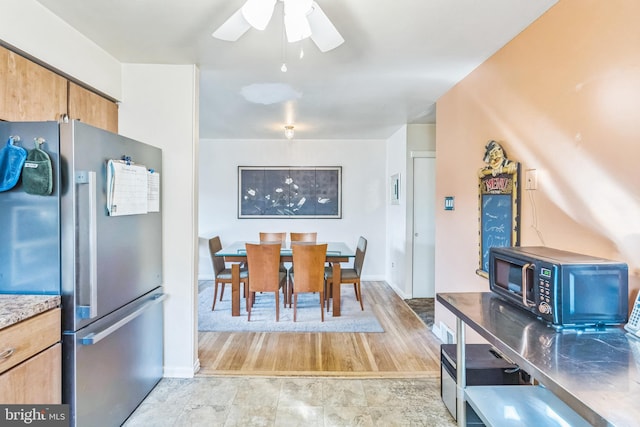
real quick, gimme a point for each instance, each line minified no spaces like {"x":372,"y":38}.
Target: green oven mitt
{"x":37,"y":176}
{"x":12,"y":158}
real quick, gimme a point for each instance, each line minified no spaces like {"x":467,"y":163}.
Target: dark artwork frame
{"x":290,"y":192}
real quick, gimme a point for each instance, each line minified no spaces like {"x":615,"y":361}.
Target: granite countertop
{"x":16,"y":308}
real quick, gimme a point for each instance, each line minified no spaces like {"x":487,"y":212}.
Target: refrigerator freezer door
{"x":110,"y":366}
{"x":30,"y":224}
{"x":107,"y":261}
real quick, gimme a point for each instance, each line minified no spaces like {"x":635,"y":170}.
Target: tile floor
{"x":259,"y":401}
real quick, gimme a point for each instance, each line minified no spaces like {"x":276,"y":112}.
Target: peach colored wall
{"x":563,"y":97}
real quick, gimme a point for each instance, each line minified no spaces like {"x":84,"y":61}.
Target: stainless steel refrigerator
{"x":107,"y":268}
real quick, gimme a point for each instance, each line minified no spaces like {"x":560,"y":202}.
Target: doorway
{"x":424,"y":190}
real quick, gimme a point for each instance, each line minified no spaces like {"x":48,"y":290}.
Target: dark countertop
{"x":594,"y":371}
{"x":15,"y":308}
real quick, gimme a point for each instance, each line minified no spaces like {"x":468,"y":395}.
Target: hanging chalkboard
{"x":498,"y":204}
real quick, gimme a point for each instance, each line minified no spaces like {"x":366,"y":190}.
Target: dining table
{"x":236,"y":253}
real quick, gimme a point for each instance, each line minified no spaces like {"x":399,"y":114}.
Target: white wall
{"x":146,"y":115}
{"x":363,"y":193}
{"x":397,"y":265}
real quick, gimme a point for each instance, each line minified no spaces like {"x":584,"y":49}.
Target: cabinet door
{"x":92,"y":108}
{"x":28,"y":91}
{"x":37,"y":380}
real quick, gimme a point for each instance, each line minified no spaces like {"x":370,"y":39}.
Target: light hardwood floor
{"x":407,"y":349}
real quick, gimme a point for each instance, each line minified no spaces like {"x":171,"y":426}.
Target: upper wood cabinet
{"x":92,"y":108}
{"x":31,"y":92}
{"x":28,"y":91}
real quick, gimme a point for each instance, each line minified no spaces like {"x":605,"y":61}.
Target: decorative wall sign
{"x":498,"y":203}
{"x":394,"y":189}
{"x":289,"y":192}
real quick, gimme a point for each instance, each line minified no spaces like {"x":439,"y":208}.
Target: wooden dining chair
{"x":308,"y":261}
{"x":264,"y":265}
{"x":349,"y":275}
{"x":304,"y":237}
{"x":309,"y":237}
{"x":222,"y":274}
{"x":277,"y":237}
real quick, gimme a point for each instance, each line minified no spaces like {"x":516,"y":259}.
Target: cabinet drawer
{"x":36,"y":381}
{"x":24,"y":339}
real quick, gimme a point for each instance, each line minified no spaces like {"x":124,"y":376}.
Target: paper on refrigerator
{"x":127,"y":188}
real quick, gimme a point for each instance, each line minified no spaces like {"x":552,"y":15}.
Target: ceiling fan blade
{"x":233,"y":28}
{"x":323,"y":33}
{"x":295,"y":19}
{"x":258,"y":12}
{"x":297,"y":27}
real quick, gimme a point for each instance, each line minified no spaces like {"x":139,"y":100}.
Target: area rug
{"x":263,"y":317}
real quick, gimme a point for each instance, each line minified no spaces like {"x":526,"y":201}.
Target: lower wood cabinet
{"x":37,"y":380}
{"x":31,"y":361}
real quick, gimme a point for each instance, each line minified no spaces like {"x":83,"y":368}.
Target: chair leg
{"x":359,"y":294}
{"x":215,"y":295}
{"x":246,"y":295}
{"x":322,"y":306}
{"x":249,"y":308}
{"x":221,"y":290}
{"x":295,"y":305}
{"x":355,"y":289}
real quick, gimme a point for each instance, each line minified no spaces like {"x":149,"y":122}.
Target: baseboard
{"x":400,"y":293}
{"x":181,"y":372}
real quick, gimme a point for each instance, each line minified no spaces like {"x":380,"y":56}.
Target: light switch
{"x":448,"y":203}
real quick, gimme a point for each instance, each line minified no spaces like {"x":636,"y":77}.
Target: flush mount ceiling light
{"x":302,"y":19}
{"x":288,"y":131}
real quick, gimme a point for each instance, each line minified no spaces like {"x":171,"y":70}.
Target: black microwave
{"x":563,"y":288}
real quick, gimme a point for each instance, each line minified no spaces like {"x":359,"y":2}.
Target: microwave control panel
{"x":545,"y":293}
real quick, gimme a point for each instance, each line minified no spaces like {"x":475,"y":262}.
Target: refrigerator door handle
{"x":95,"y":337}
{"x":90,"y":310}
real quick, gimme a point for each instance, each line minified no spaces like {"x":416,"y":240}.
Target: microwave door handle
{"x":525,"y":284}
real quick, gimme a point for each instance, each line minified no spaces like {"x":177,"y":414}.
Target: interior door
{"x":424,"y":190}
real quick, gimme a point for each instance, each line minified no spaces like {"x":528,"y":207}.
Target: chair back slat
{"x":361,"y":250}
{"x":304,"y":237}
{"x":308,"y":261}
{"x":272,"y":237}
{"x":263,"y":261}
{"x":217,"y":261}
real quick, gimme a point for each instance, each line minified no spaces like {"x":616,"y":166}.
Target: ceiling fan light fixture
{"x":302,"y":19}
{"x":288,"y":131}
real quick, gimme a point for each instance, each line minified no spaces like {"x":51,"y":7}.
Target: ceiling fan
{"x":302,"y":19}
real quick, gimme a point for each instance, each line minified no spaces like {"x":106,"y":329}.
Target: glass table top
{"x":337,"y":249}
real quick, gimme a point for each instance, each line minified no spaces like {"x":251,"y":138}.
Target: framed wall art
{"x":394,"y":189}
{"x":498,"y":203}
{"x":289,"y":192}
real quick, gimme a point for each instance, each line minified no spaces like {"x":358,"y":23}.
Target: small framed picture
{"x":394,"y":189}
